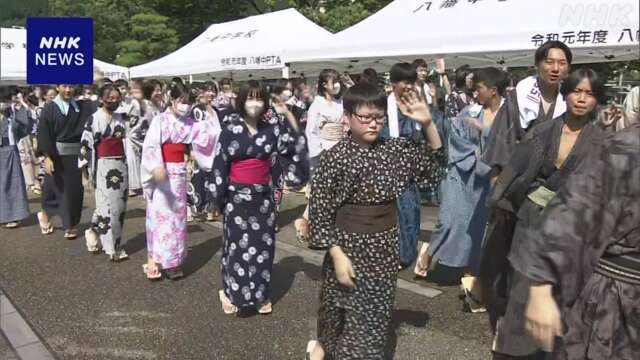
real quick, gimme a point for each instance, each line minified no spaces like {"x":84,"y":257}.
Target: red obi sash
{"x":173,"y":153}
{"x":110,"y":147}
{"x":250,"y":171}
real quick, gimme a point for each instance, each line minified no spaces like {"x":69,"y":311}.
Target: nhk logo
{"x":59,"y":50}
{"x":54,"y":58}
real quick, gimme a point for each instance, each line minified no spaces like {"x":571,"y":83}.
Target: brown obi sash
{"x":110,"y":148}
{"x":366,"y":219}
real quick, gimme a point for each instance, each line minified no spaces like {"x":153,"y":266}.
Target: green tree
{"x":149,"y":38}
{"x":110,"y":20}
{"x":333,"y":15}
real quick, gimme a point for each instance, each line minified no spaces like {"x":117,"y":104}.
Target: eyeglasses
{"x":365,"y":120}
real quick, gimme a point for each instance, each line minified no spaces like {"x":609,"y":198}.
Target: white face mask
{"x":286,"y":95}
{"x":183,"y":109}
{"x":336,"y":89}
{"x":253,"y":108}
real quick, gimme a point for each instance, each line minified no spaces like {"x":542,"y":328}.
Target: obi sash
{"x":366,"y":219}
{"x":68,"y":148}
{"x":110,"y":148}
{"x":250,"y":171}
{"x":625,"y":268}
{"x":173,"y":153}
{"x":332,"y":132}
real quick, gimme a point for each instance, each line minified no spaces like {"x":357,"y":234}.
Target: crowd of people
{"x":537,"y":182}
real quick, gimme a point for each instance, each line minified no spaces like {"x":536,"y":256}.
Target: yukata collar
{"x":64,"y":106}
{"x":355,"y":144}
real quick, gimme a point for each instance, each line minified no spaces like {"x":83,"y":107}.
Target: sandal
{"x":311,"y":345}
{"x":174,"y":273}
{"x":302,"y":230}
{"x":265,"y":308}
{"x":213,"y":216}
{"x":120,"y":255}
{"x":12,"y":225}
{"x":421,"y":270}
{"x":45,"y":228}
{"x":71,"y":234}
{"x":91,"y":239}
{"x":152,"y":275}
{"x":227,"y":306}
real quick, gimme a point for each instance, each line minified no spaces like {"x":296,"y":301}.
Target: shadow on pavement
{"x":135,"y":213}
{"x":288,"y":216}
{"x":418,"y":319}
{"x":199,"y":255}
{"x":284,"y":273}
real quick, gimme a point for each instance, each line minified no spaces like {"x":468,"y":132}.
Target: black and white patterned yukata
{"x":110,"y":177}
{"x":354,"y":323}
{"x":249,"y":209}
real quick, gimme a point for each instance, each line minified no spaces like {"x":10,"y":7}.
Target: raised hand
{"x":416,"y":108}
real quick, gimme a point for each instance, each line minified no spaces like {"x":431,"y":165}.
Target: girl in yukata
{"x":164,"y":179}
{"x":324,"y":129}
{"x":242,"y":187}
{"x":103,"y":150}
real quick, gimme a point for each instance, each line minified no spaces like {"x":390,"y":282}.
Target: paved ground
{"x":84,"y":307}
{"x":6,"y":352}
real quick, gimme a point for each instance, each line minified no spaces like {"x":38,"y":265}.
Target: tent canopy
{"x":13,"y":59}
{"x":252,"y":47}
{"x":479,"y":33}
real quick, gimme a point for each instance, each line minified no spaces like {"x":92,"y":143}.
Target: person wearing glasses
{"x":353,"y":215}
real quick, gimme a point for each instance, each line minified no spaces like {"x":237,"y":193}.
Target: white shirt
{"x":322,"y":114}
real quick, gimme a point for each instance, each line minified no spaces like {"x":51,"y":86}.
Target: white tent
{"x":252,"y":47}
{"x":479,"y":33}
{"x":13,"y":59}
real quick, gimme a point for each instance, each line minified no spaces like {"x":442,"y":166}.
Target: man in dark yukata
{"x":59,"y":131}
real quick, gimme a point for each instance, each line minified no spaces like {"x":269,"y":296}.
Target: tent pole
{"x":190,"y":79}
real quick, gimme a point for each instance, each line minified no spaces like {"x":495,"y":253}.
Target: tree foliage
{"x":150,"y":38}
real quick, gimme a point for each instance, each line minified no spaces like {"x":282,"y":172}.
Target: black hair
{"x":107,"y":89}
{"x":149,"y":86}
{"x":33,"y":100}
{"x":279,"y":86}
{"x":597,"y":84}
{"x":419,"y":63}
{"x":369,"y":76}
{"x":363,"y":94}
{"x":179,"y":90}
{"x":403,"y":72}
{"x":543,"y":51}
{"x":325,"y":76}
{"x":254,"y":89}
{"x":461,"y":76}
{"x":210,"y":85}
{"x":121,"y":82}
{"x":492,"y":77}
{"x":177,"y":80}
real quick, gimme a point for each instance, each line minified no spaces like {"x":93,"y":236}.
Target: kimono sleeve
{"x":45,"y":135}
{"x":327,"y":192}
{"x":204,"y":136}
{"x":218,"y":182}
{"x":462,"y":150}
{"x":87,"y":141}
{"x":312,"y":129}
{"x":576,"y":227}
{"x":151,"y":153}
{"x":426,"y":164}
{"x":504,"y":136}
{"x":292,"y":145}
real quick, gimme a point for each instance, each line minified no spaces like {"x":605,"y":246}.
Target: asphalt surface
{"x":85,"y":307}
{"x":6,"y":353}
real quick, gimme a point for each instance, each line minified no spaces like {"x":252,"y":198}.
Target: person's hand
{"x":159,"y":174}
{"x":414,"y":107}
{"x":280,"y":107}
{"x":542,"y":316}
{"x":48,"y":166}
{"x":343,"y":267}
{"x":473,"y":122}
{"x":347,"y":80}
{"x":610,"y":115}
